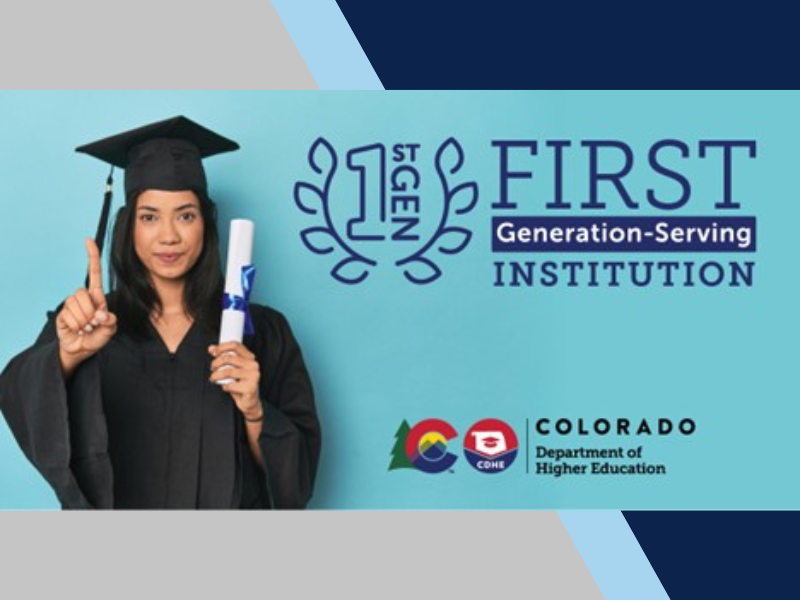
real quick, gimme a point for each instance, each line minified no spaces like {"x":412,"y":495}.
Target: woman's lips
{"x":168,"y":259}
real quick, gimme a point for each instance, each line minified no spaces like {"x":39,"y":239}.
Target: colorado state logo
{"x":380,"y":204}
{"x":490,"y":446}
{"x":424,"y":446}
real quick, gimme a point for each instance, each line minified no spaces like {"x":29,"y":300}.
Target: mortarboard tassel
{"x":100,"y":237}
{"x":102,"y":225}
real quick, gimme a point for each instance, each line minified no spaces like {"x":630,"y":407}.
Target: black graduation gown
{"x":139,"y":427}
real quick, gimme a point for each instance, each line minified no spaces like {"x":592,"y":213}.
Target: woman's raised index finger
{"x":95,"y":271}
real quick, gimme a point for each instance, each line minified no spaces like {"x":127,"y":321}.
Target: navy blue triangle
{"x":442,"y":44}
{"x":721,"y":554}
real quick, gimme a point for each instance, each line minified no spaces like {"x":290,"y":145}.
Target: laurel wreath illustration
{"x":418,"y":267}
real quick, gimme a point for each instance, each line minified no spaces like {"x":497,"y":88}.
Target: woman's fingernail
{"x":101,"y":316}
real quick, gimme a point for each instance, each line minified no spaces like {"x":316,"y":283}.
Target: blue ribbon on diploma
{"x":233,"y":302}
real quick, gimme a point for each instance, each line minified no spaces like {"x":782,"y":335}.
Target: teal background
{"x":458,"y":349}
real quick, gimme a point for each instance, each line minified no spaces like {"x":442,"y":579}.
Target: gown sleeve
{"x":59,"y":425}
{"x":290,"y":439}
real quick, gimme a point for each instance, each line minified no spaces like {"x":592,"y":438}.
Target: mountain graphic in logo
{"x":423,"y":447}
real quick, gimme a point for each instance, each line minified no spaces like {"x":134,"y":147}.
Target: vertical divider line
{"x":527,"y":445}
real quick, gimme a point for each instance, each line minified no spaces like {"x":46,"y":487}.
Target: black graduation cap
{"x":165,"y":155}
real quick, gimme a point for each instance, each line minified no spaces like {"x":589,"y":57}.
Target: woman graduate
{"x":117,"y":405}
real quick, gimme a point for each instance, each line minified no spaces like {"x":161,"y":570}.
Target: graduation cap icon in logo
{"x":166,"y":155}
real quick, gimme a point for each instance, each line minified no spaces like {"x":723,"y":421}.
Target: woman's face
{"x":168,"y":233}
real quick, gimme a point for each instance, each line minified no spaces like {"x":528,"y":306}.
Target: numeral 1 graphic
{"x":369,"y":162}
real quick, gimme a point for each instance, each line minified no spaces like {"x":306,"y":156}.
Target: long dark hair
{"x":135,"y":298}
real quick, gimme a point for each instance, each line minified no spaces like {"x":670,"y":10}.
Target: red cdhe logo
{"x":490,"y":446}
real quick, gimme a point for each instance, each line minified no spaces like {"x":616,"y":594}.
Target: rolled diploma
{"x":240,"y":254}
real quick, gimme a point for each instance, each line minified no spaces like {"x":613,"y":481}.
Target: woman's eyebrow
{"x":182,"y":207}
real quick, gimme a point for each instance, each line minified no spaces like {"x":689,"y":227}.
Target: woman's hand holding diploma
{"x":85,"y":325}
{"x":233,"y":361}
